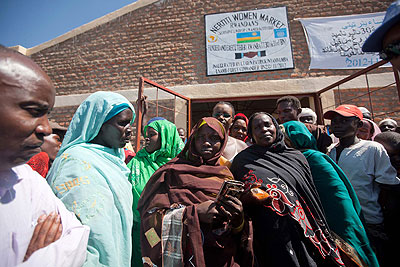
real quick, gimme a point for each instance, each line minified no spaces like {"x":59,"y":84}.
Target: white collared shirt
{"x":367,"y":165}
{"x":24,"y":196}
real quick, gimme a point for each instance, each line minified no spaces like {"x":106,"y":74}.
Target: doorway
{"x":203,"y":108}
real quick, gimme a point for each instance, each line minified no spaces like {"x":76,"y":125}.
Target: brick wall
{"x":165,"y":42}
{"x":62,"y":115}
{"x":384,"y":101}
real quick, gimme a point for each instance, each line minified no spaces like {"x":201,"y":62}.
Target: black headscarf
{"x":279,"y":143}
{"x":295,"y":215}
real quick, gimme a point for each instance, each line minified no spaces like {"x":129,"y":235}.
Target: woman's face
{"x":116,"y":132}
{"x":152,"y":140}
{"x":239,"y":129}
{"x":364,"y":132}
{"x":264,"y":131}
{"x":207,"y":142}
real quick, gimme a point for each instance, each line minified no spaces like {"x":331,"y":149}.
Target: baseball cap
{"x":374,"y":41}
{"x":345,"y":111}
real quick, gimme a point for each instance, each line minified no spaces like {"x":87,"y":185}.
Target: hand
{"x":207,"y":212}
{"x":47,"y":231}
{"x":231,"y":207}
{"x":255,"y":196}
{"x":143,"y":102}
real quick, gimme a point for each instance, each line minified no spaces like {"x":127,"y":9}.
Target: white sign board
{"x":336,"y":42}
{"x":248,"y":41}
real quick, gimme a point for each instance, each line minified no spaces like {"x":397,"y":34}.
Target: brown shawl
{"x":189,"y":180}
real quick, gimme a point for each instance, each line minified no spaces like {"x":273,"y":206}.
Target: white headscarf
{"x":308,"y":112}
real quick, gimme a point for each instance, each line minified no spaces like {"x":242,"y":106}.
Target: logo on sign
{"x":280,"y":33}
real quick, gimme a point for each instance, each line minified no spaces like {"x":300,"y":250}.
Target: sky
{"x":32,"y":22}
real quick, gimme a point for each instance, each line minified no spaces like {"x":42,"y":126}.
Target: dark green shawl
{"x":340,"y":203}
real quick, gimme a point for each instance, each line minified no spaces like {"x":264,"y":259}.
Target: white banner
{"x":335,"y":42}
{"x":248,"y":41}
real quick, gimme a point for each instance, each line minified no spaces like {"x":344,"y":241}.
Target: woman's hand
{"x":255,"y":196}
{"x":231,"y":208}
{"x":207,"y":212}
{"x":47,"y":231}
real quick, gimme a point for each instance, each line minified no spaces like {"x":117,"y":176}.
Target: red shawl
{"x":187,"y":180}
{"x":40,"y":163}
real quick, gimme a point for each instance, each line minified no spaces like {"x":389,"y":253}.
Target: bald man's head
{"x":27,"y":96}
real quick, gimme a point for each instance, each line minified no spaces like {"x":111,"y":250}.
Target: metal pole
{"x":369,"y":96}
{"x":318,"y":108}
{"x":157,"y":103}
{"x":340,"y":100}
{"x":396,"y":77}
{"x":189,"y":116}
{"x":139,"y":114}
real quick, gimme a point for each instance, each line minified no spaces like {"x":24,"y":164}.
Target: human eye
{"x":124,"y":123}
{"x":35,"y":109}
{"x":215,"y":138}
{"x":36,"y":112}
{"x":200,"y":137}
{"x":344,"y":120}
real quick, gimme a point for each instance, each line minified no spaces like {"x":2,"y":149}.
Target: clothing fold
{"x":338,"y":198}
{"x":291,"y":229}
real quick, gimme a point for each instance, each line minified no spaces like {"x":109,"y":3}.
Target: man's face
{"x":27,"y":96}
{"x":387,"y":126}
{"x":393,"y":37}
{"x":286,"y":112}
{"x":224,"y":114}
{"x":307,"y":119}
{"x":344,"y":126}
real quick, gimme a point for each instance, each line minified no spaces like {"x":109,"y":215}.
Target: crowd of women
{"x":248,"y":193}
{"x":165,"y":206}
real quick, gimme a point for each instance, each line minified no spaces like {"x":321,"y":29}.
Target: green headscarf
{"x":142,"y":167}
{"x":338,"y":198}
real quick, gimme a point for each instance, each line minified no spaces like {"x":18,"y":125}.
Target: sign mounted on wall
{"x":335,"y":42}
{"x":248,"y":41}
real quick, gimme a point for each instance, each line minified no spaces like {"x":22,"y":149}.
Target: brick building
{"x":164,"y":41}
